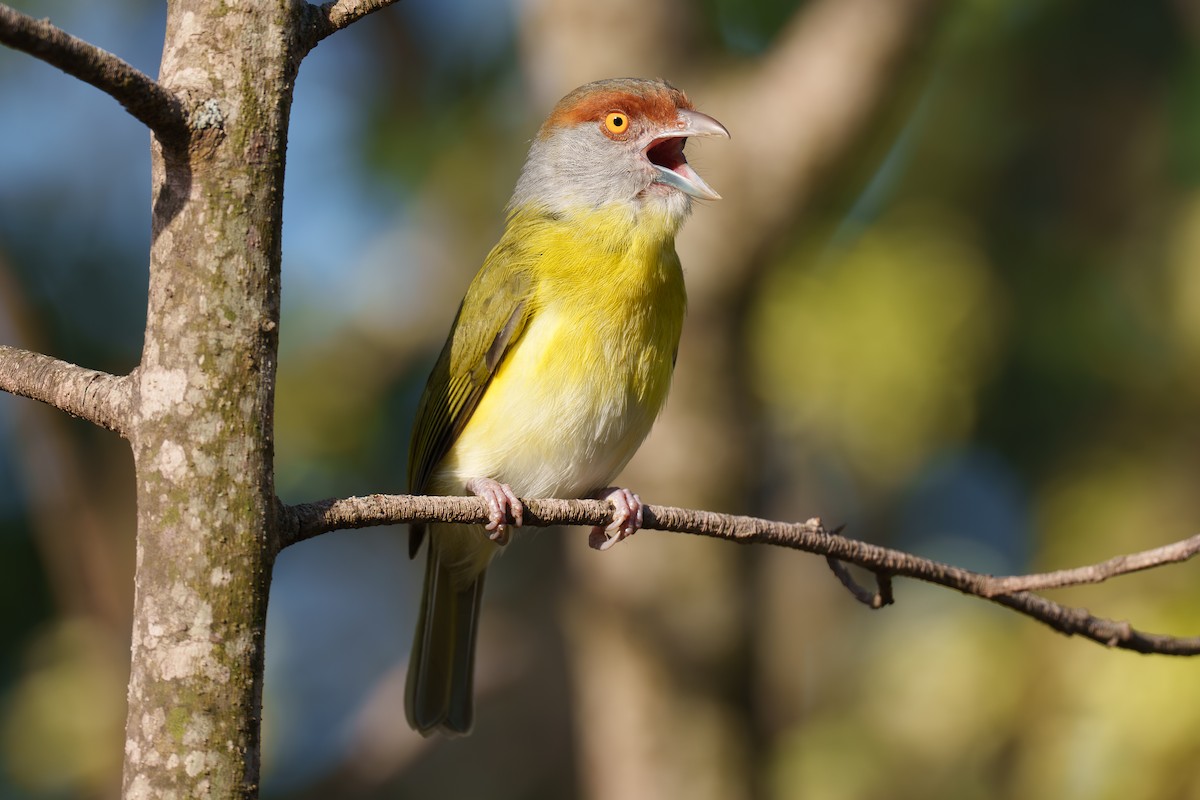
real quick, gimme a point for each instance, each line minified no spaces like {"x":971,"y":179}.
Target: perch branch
{"x":98,"y":397}
{"x":300,"y":522}
{"x":140,"y":94}
{"x":319,"y":21}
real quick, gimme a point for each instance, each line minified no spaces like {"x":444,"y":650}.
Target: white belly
{"x":565,"y":412}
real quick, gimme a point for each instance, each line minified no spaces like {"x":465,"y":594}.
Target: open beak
{"x":665,"y":153}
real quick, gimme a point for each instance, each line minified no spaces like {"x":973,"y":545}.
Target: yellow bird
{"x":559,"y":359}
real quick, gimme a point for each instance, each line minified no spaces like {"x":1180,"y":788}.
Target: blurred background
{"x":951,"y":299}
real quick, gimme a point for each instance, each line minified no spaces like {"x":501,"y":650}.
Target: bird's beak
{"x":665,"y":153}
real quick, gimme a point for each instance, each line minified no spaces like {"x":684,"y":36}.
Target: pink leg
{"x":501,"y":500}
{"x":627,"y":518}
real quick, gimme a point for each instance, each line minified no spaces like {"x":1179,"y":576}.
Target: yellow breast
{"x":578,"y":392}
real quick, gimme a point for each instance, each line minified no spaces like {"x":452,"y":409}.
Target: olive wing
{"x":490,"y":320}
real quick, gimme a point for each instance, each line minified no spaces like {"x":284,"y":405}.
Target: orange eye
{"x":616,"y":123}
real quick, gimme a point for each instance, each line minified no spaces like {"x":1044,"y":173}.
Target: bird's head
{"x":617,"y":141}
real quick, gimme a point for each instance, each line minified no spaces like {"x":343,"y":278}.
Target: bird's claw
{"x":501,"y":501}
{"x":626,"y":521}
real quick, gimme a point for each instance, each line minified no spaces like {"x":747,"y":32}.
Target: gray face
{"x":579,"y":168}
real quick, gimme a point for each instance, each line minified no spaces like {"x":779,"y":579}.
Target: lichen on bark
{"x":203,"y":405}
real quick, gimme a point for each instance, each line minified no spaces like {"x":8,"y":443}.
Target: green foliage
{"x":876,"y":350}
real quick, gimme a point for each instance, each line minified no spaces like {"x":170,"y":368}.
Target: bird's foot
{"x":501,"y":501}
{"x":627,"y":518}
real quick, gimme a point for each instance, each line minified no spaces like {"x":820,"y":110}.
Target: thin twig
{"x":1096,"y":573}
{"x":319,"y":21}
{"x":881,"y":597}
{"x":141,"y":95}
{"x":296,"y":523}
{"x":95,"y":396}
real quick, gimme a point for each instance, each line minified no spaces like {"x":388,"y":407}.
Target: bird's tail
{"x":441,"y":668}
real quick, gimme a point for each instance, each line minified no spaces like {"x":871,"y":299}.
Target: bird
{"x":559,"y":359}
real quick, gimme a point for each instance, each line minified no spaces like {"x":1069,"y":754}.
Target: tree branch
{"x":141,"y":95}
{"x":319,"y":21}
{"x":304,"y":521}
{"x":96,"y":396}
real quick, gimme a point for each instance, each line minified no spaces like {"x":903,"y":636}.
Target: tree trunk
{"x":203,"y":405}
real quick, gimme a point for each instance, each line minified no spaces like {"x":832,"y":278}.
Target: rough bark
{"x":203,"y":405}
{"x":95,"y":396}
